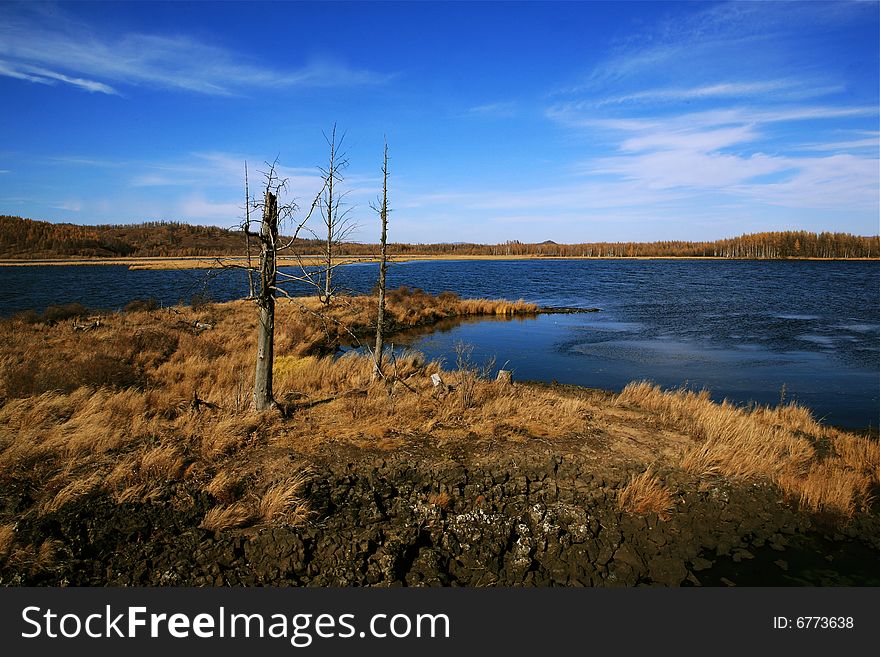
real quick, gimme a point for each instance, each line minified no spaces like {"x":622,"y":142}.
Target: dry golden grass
{"x":342,"y":402}
{"x":282,"y":502}
{"x":7,"y":540}
{"x":829,"y":485}
{"x":147,"y":399}
{"x":646,"y":494}
{"x":227,"y":517}
{"x":779,"y":444}
{"x":32,"y":558}
{"x":441,"y":499}
{"x":858,"y":454}
{"x":224,"y":486}
{"x":164,"y":463}
{"x":73,"y":490}
{"x":167,"y":403}
{"x":45,"y":557}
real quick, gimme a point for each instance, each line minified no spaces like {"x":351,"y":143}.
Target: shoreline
{"x":396,"y":332}
{"x":219,"y":262}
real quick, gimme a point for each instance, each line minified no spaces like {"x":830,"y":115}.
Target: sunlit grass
{"x":168,"y":404}
{"x":824,"y":468}
{"x":645,"y":493}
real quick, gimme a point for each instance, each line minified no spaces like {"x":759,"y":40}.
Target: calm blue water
{"x":743,"y":329}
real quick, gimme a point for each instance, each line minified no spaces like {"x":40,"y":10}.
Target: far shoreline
{"x":220,"y":262}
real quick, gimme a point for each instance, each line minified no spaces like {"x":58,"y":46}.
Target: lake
{"x":742,"y":329}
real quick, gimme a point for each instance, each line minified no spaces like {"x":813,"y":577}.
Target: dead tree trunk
{"x":266,"y":302}
{"x":383,"y":268}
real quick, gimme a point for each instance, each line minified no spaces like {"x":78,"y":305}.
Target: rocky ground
{"x":534,"y":515}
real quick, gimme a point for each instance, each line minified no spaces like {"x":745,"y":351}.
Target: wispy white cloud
{"x":200,"y":187}
{"x":209,"y":169}
{"x":158,"y":180}
{"x":79,"y":160}
{"x":693,"y":169}
{"x":710,"y":54}
{"x":199,"y":208}
{"x":51,"y":47}
{"x":720,"y":151}
{"x":872,"y":143}
{"x":730,"y":166}
{"x":40,"y":75}
{"x":71,"y":205}
{"x":579,"y":114}
{"x":690,"y":139}
{"x":776,"y":89}
{"x":837,"y":181}
{"x":748,"y":36}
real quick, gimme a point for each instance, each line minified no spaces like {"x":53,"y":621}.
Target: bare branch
{"x":247,"y":232}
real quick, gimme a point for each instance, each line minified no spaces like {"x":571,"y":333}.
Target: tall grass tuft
{"x":226,"y":517}
{"x":282,"y":502}
{"x":7,"y":540}
{"x":779,"y":444}
{"x":645,"y":493}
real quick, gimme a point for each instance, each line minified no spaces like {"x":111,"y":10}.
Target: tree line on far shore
{"x":28,"y":239}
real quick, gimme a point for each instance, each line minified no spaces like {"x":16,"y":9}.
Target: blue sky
{"x":573,"y":122}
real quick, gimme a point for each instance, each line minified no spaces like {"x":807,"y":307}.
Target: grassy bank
{"x":145,"y":404}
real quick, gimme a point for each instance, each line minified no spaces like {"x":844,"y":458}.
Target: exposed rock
{"x":387,"y":519}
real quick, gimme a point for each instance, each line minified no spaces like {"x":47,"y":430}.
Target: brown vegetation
{"x":148,"y":405}
{"x":645,"y":493}
{"x":148,"y":400}
{"x":824,"y":468}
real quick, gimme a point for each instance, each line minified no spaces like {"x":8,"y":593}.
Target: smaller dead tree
{"x":382,"y":209}
{"x":335,"y":215}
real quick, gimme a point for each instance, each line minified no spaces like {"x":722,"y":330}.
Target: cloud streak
{"x":779,"y":89}
{"x":198,"y":187}
{"x":728,"y":152}
{"x":39,"y":75}
{"x":499,"y":110}
{"x":730,"y":165}
{"x":51,"y":48}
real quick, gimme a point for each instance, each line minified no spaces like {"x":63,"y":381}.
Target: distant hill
{"x":26,"y":239}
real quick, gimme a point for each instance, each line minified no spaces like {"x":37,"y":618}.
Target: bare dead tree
{"x":338,"y":224}
{"x":265,"y":299}
{"x":270,"y":245}
{"x":382,"y":209}
{"x":335,"y":215}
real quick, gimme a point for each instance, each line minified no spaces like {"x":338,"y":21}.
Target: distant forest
{"x":29,"y":239}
